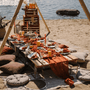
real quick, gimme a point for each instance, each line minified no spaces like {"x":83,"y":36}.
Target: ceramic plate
{"x":22,"y":47}
{"x":41,"y":40}
{"x":65,"y":53}
{"x":11,"y":39}
{"x":32,"y":54}
{"x":51,"y":46}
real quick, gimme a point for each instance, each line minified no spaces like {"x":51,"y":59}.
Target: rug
{"x":51,"y":80}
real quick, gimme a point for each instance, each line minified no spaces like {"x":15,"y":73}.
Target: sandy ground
{"x":74,"y":33}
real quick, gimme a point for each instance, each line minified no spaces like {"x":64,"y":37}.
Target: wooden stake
{"x":11,"y":25}
{"x":42,"y":17}
{"x":85,"y":9}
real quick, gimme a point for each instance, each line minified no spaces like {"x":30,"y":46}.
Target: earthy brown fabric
{"x":69,"y":82}
{"x":4,"y":59}
{"x":63,"y":46}
{"x":12,"y":68}
{"x":7,"y":50}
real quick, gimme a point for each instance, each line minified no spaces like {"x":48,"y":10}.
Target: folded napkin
{"x":65,"y":50}
{"x":34,"y":56}
{"x":63,"y":46}
{"x":69,"y":82}
{"x":23,"y":48}
{"x":13,"y":36}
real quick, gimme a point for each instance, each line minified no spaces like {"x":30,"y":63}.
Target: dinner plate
{"x":11,"y":39}
{"x":22,"y":47}
{"x":32,"y":54}
{"x":39,"y":47}
{"x":65,"y":53}
{"x":41,"y":40}
{"x":50,"y":40}
{"x":51,"y":46}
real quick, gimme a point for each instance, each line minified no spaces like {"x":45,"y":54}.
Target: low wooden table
{"x":34,"y":64}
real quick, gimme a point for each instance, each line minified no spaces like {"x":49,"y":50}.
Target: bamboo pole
{"x":42,"y":17}
{"x":11,"y":25}
{"x":85,"y":9}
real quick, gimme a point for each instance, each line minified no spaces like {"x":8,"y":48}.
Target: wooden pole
{"x":85,"y":9}
{"x":11,"y":25}
{"x":42,"y":17}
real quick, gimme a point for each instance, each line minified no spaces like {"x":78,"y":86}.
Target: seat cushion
{"x":4,"y":59}
{"x":7,"y":50}
{"x":17,"y":80}
{"x":72,"y":50}
{"x":12,"y":67}
{"x":83,"y":75}
{"x":81,"y":56}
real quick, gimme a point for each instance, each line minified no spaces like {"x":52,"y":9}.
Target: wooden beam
{"x":42,"y":17}
{"x":11,"y":25}
{"x":85,"y":9}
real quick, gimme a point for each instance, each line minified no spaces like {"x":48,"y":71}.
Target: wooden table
{"x":34,"y":64}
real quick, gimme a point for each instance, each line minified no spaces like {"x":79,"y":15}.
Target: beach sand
{"x":72,"y":32}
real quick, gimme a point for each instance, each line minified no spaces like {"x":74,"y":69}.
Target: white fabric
{"x":81,"y":56}
{"x":83,"y":75}
{"x":72,"y":50}
{"x":17,"y":79}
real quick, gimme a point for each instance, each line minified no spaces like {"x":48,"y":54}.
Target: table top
{"x":37,"y":62}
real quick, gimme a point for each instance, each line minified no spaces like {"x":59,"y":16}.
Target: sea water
{"x":48,"y":8}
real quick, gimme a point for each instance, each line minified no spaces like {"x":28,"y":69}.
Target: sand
{"x":72,"y":32}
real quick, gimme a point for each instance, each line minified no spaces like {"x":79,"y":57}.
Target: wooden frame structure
{"x":85,"y":9}
{"x":17,"y":11}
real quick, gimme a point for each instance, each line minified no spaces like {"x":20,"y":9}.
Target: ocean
{"x":48,"y":8}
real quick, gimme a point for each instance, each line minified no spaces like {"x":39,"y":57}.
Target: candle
{"x":49,"y":53}
{"x":31,"y":46}
{"x":38,"y":43}
{"x":45,"y":39}
{"x":22,"y":33}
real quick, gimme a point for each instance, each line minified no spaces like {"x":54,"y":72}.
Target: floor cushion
{"x":12,"y":67}
{"x":7,"y":50}
{"x":83,"y":75}
{"x":4,"y":59}
{"x":17,"y":80}
{"x":72,"y":50}
{"x":81,"y":56}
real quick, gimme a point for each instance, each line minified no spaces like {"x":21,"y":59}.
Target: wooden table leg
{"x":35,"y":71}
